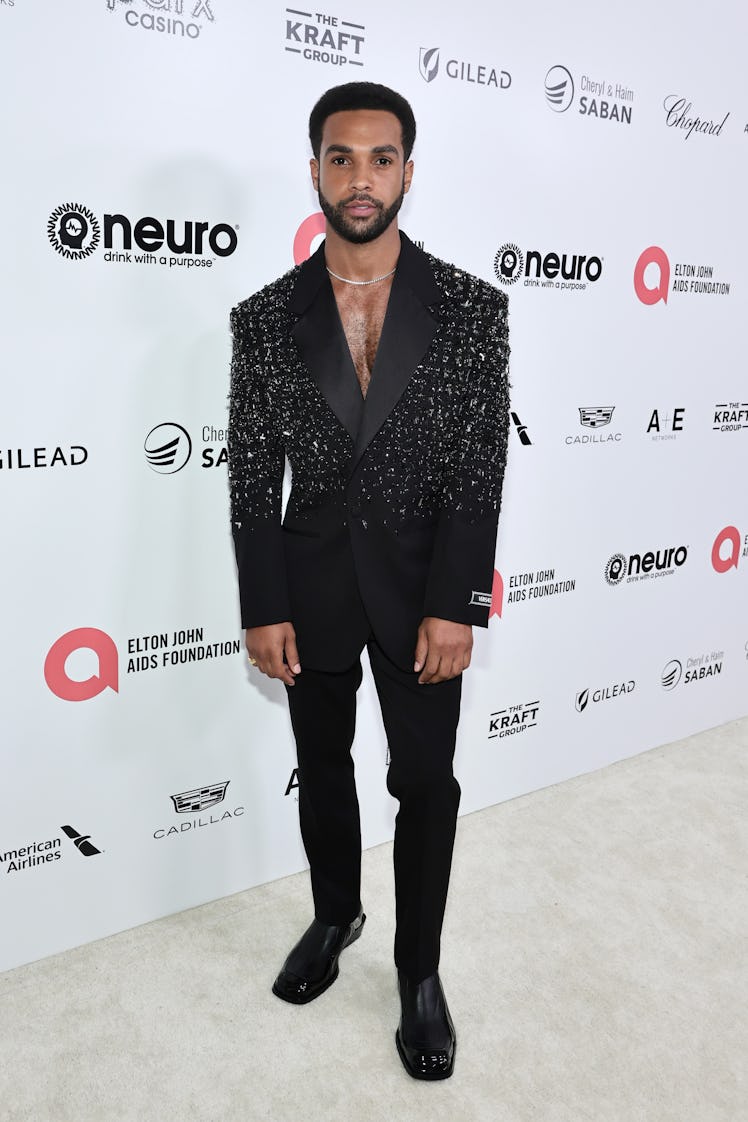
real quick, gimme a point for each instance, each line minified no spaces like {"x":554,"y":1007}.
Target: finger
{"x":421,"y":651}
{"x":292,"y":654}
{"x":430,"y":669}
{"x":278,"y":669}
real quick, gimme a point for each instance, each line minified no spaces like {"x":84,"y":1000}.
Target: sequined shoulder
{"x":457,"y":284}
{"x":269,"y":298}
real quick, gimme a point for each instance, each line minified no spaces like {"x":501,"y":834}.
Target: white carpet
{"x":594,"y":961}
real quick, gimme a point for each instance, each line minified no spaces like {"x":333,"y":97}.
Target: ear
{"x":407,"y":176}
{"x":314,"y":169}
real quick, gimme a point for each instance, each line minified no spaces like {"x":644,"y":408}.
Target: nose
{"x":360,"y":177}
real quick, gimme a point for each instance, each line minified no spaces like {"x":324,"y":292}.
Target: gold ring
{"x":253,"y":660}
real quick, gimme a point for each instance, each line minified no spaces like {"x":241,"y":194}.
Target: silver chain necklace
{"x":374,"y":281}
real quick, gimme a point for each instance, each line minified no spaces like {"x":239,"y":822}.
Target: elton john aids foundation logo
{"x":310,"y":230}
{"x":728,"y":548}
{"x":652,"y":278}
{"x":59,"y":679}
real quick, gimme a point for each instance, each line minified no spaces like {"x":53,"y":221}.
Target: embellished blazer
{"x":395,"y":496}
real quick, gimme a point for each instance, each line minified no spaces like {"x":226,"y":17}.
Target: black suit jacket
{"x":395,"y":497}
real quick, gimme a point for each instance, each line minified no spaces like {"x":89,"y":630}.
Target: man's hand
{"x":443,"y":649}
{"x":268,"y":644}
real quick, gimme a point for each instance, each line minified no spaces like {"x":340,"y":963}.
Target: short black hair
{"x":362,"y":95}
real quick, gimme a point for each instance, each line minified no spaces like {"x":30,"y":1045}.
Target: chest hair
{"x":362,"y":314}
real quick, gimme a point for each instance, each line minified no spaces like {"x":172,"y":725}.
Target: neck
{"x":362,"y":262}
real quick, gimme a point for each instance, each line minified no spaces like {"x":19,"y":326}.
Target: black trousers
{"x":421,"y":726}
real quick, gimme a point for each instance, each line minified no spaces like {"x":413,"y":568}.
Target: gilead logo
{"x":309,"y":229}
{"x":69,"y":689}
{"x":720,"y":562}
{"x":646,"y":293}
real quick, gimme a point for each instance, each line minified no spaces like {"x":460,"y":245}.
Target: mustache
{"x":362,"y":199}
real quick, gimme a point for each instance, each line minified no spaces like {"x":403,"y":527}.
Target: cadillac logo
{"x":192,"y":802}
{"x":595,"y":416}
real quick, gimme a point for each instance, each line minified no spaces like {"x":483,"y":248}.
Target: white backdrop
{"x":561,"y":131}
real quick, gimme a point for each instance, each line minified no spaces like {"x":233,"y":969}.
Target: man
{"x":381,"y":373}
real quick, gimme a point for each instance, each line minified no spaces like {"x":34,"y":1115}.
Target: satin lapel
{"x":408,"y":330}
{"x":321,"y":342}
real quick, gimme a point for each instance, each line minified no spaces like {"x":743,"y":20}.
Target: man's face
{"x":361,"y":176}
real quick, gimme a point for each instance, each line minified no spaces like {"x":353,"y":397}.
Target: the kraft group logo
{"x":559,"y":89}
{"x":729,"y":546}
{"x":72,"y":689}
{"x":311,"y":229}
{"x":321,"y":37}
{"x":168,"y":448}
{"x":73,"y":230}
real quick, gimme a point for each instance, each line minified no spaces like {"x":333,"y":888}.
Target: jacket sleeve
{"x":460,"y":575}
{"x":256,"y":465}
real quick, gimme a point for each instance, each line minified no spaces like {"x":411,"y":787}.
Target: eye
{"x":339,"y":160}
{"x":383,"y":160}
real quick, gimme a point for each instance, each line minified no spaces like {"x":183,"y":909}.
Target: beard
{"x":360,"y":230}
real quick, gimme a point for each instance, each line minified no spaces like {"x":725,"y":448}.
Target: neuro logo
{"x":580,"y":702}
{"x":521,"y":431}
{"x":311,"y":228}
{"x":167,"y":448}
{"x":509,"y":263}
{"x":428,"y":63}
{"x":192,"y":802}
{"x":559,"y":89}
{"x":672,"y":674}
{"x":82,"y":842}
{"x":594,"y":417}
{"x":73,"y":231}
{"x":722,"y":564}
{"x":648,"y":294}
{"x":71,"y":689}
{"x":615,"y":570}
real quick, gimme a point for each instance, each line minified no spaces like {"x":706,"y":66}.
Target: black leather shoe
{"x":425,"y":1037}
{"x":312,"y":965}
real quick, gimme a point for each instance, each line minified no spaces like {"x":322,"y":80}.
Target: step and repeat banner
{"x":592,"y":165}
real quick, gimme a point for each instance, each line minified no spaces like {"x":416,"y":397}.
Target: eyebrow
{"x":346,"y":150}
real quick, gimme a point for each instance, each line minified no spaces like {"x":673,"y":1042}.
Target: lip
{"x":360,"y":208}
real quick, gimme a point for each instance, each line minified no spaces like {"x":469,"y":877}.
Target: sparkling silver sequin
{"x":451,"y":457}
